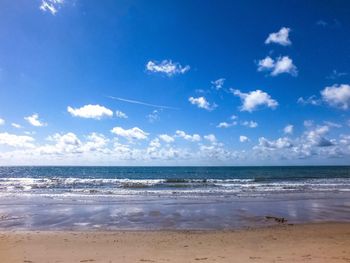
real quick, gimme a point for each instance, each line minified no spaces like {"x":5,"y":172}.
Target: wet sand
{"x":326,"y":242}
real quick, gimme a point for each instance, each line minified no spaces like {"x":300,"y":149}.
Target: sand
{"x":326,"y":242}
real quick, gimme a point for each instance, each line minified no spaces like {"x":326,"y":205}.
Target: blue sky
{"x":174,"y":82}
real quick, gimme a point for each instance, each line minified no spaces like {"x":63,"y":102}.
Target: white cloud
{"x":16,"y":125}
{"x":288,"y":129}
{"x":51,"y":6}
{"x":2,"y":121}
{"x":202,"y":103}
{"x":121,"y":115}
{"x":266,"y":64}
{"x":67,"y":145}
{"x":193,"y":138}
{"x":20,"y":141}
{"x":130,"y":134}
{"x":64,"y":143}
{"x":281,"y":37}
{"x":154,"y":143}
{"x":166,"y":138}
{"x":250,"y":124}
{"x":313,"y":100}
{"x":210,"y":137}
{"x":34,"y":120}
{"x":252,"y":100}
{"x":219,"y":83}
{"x":278,"y":66}
{"x":280,"y":143}
{"x":90,"y":112}
{"x":226,"y":124}
{"x":333,"y":124}
{"x":336,"y":74}
{"x":153,"y":116}
{"x":337,"y":96}
{"x":243,"y":138}
{"x":95,"y":142}
{"x":308,"y":123}
{"x":315,"y":136}
{"x":166,"y":67}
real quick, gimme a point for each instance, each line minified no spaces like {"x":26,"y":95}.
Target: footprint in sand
{"x":200,"y":258}
{"x":87,"y":260}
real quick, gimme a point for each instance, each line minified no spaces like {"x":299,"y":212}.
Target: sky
{"x":192,"y":82}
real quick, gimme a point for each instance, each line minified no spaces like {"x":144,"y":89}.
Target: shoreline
{"x":180,"y":213}
{"x":312,"y":242}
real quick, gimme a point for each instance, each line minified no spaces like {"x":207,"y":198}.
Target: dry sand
{"x":328,"y":242}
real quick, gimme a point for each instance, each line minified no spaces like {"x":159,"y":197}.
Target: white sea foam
{"x":115,"y":186}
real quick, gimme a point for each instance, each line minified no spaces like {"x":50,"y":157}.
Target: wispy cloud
{"x":336,"y":74}
{"x":51,"y":6}
{"x":166,"y":67}
{"x":143,"y":103}
{"x":153,"y":116}
{"x":219,"y":83}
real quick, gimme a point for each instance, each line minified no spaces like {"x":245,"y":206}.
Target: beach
{"x":323,"y":242}
{"x":100,"y":214}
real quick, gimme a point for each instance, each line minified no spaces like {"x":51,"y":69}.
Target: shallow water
{"x":102,"y":198}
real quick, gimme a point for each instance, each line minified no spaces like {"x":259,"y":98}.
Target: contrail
{"x":143,"y":103}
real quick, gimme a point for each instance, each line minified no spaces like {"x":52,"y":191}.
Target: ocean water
{"x":182,"y":181}
{"x":114,"y":198}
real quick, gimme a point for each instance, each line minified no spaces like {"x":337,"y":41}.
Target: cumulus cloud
{"x":166,"y":67}
{"x":243,"y":138}
{"x":278,"y":66}
{"x":250,"y":124}
{"x":121,"y":115}
{"x":34,"y":120}
{"x":315,"y":136}
{"x":188,"y":137}
{"x":219,"y":83}
{"x":281,"y":37}
{"x":51,"y":6}
{"x":90,"y":112}
{"x":166,"y":138}
{"x":2,"y":121}
{"x":210,"y":137}
{"x":130,"y":134}
{"x":254,"y":99}
{"x":63,"y":143}
{"x":20,"y":141}
{"x":337,"y":96}
{"x":280,"y":143}
{"x":202,"y":103}
{"x":95,"y":142}
{"x":288,"y":129}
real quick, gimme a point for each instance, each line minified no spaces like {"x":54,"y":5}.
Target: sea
{"x":113,"y":198}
